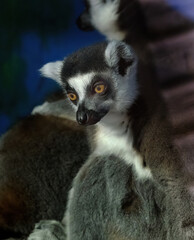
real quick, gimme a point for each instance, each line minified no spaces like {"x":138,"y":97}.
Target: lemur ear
{"x":52,"y":70}
{"x":119,"y":56}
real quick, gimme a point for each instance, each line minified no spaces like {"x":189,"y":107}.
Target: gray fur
{"x":108,"y":201}
{"x":115,"y":205}
{"x":60,"y":108}
{"x":115,"y":62}
{"x":111,"y":108}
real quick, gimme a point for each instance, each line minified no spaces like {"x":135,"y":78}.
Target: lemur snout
{"x":87,"y":117}
{"x":82,"y":117}
{"x":83,"y":22}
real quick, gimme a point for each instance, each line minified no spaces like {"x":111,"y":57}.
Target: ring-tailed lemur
{"x":109,"y":200}
{"x":103,"y":93}
{"x":120,"y":20}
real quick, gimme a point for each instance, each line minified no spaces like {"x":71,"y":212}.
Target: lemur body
{"x":113,"y":136}
{"x":106,"y":201}
{"x":38,"y":161}
{"x":110,"y":110}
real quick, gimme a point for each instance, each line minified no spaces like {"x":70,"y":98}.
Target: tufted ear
{"x":119,"y":57}
{"x":52,"y":70}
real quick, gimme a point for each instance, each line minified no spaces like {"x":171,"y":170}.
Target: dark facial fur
{"x":84,"y":60}
{"x":95,"y":105}
{"x":82,"y":73}
{"x":80,"y":63}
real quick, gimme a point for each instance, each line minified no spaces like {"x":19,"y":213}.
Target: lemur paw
{"x":48,"y":230}
{"x":41,"y":109}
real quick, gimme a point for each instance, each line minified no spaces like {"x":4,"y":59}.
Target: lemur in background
{"x":131,"y":187}
{"x":38,"y":161}
{"x":120,"y":20}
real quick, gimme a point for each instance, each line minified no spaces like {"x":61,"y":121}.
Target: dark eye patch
{"x":68,"y":90}
{"x":99,"y":88}
{"x":98,"y":80}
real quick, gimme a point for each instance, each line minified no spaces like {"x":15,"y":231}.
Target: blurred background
{"x":33,"y":33}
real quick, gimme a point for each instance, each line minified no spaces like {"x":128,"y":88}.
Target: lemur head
{"x":104,"y":15}
{"x":97,"y":79}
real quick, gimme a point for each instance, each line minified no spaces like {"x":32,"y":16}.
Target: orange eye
{"x":72,"y":96}
{"x":99,"y":88}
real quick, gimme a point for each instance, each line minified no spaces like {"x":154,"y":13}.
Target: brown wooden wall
{"x":170,"y":34}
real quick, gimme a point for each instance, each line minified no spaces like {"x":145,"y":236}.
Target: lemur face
{"x":92,"y":94}
{"x":102,"y":15}
{"x":97,"y":79}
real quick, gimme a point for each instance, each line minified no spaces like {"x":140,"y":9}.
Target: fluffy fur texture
{"x":108,"y":202}
{"x":38,"y":160}
{"x":113,"y":134}
{"x":52,"y":70}
{"x":104,"y":17}
{"x":116,"y":19}
{"x":59,"y":108}
{"x":108,"y":199}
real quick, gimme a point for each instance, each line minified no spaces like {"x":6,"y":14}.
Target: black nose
{"x":82,"y":117}
{"x":83,"y":22}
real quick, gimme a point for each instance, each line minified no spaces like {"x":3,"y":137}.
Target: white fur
{"x":126,"y":85}
{"x":60,"y":108}
{"x":41,"y":109}
{"x":44,"y":230}
{"x":111,"y":139}
{"x":40,"y":234}
{"x":52,"y":70}
{"x":127,"y":88}
{"x":80,"y":83}
{"x":104,"y":18}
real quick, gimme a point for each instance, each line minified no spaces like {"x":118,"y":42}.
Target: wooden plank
{"x":185,"y":144}
{"x":173,"y":57}
{"x":163,"y":18}
{"x":170,"y":34}
{"x":180,"y":104}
